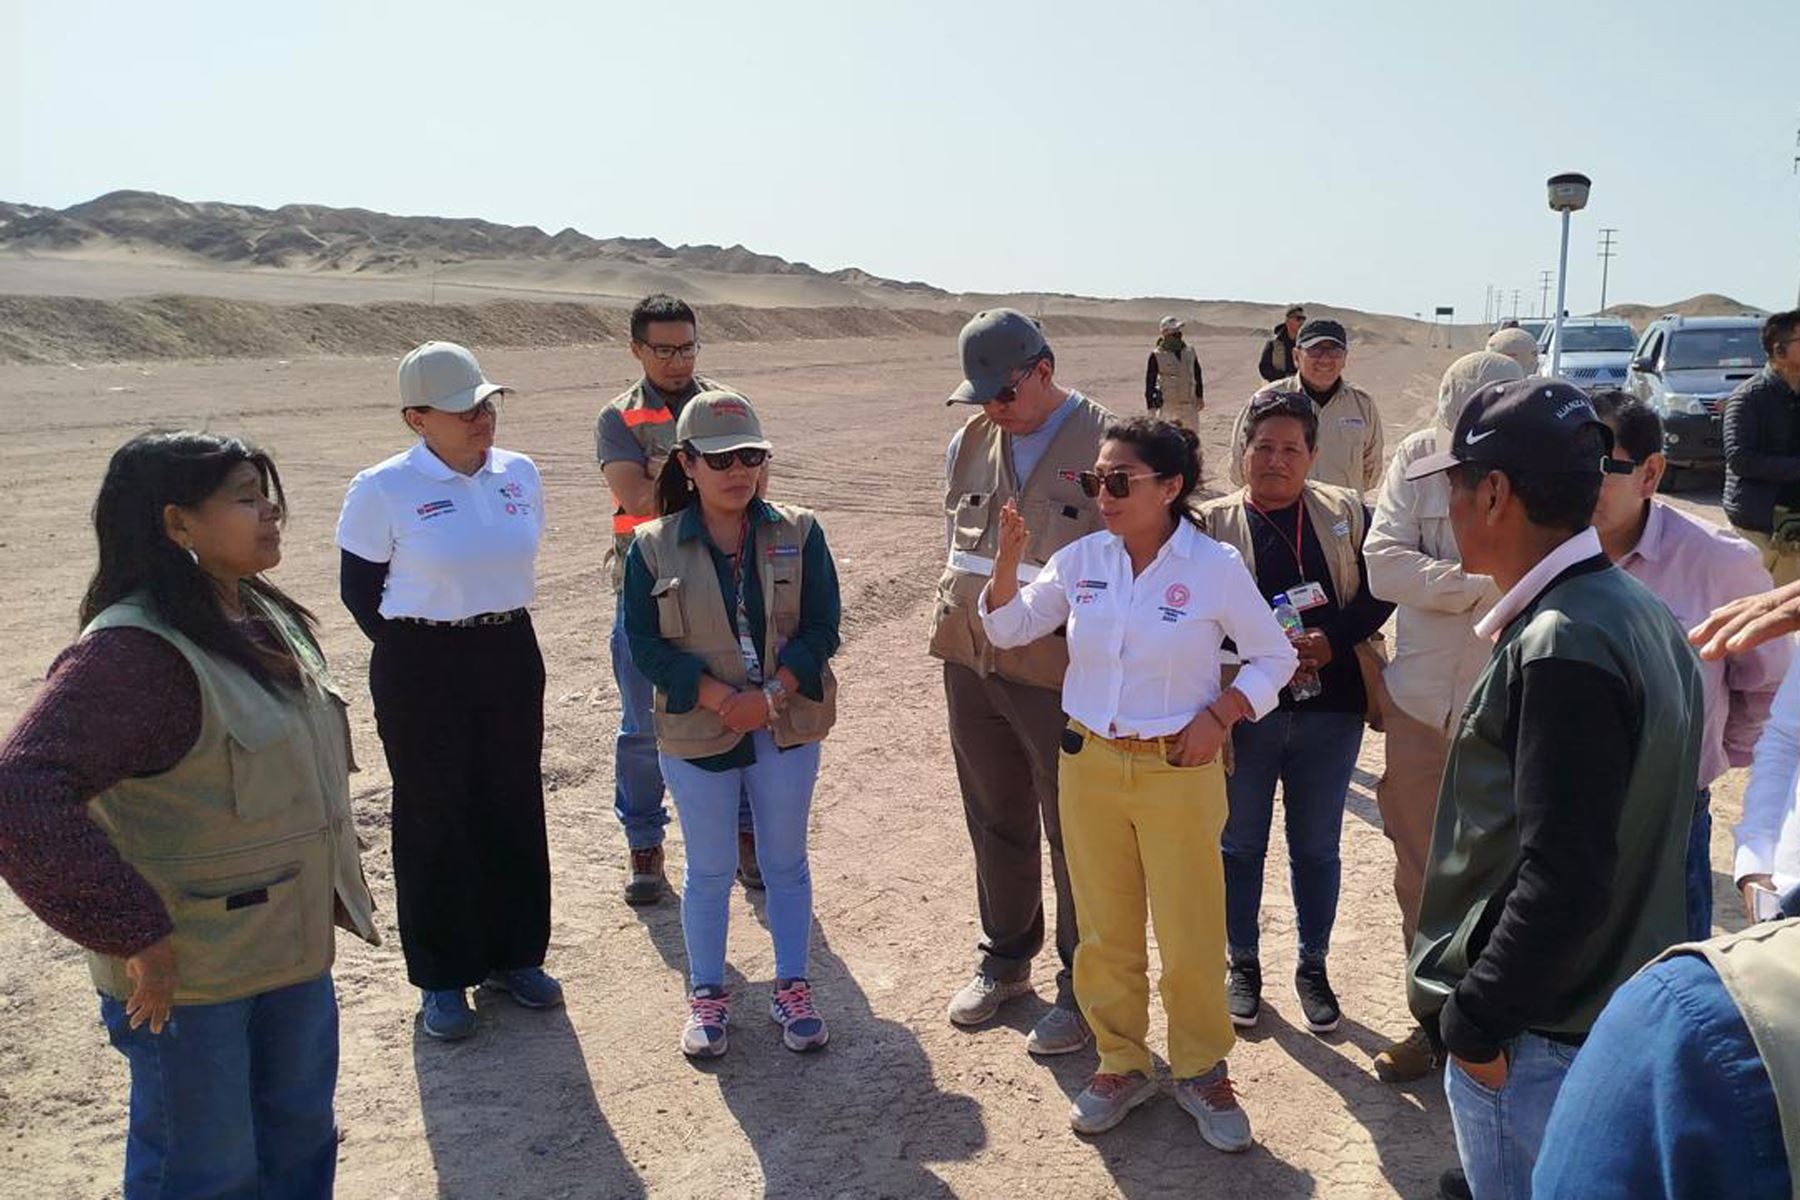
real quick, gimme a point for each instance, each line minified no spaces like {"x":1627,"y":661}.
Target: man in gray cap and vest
{"x":1350,"y":437}
{"x":1174,"y":388}
{"x":1026,"y":445}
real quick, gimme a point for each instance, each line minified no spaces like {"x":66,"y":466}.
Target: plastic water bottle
{"x":1305,"y":684}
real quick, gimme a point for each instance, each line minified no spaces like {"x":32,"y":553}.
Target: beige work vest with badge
{"x":249,"y":839}
{"x":1056,"y":513}
{"x":691,"y":614}
{"x":1336,"y":518}
{"x":1175,"y":375}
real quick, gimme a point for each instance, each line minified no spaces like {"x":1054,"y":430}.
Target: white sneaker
{"x":1209,"y":1099}
{"x":1059,"y":1031}
{"x":981,"y":998}
{"x":1109,"y":1099}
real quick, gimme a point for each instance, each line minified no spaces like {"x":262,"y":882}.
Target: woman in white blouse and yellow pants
{"x":1147,"y":604}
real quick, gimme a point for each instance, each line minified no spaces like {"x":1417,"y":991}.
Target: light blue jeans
{"x":780,"y":788}
{"x":1498,"y":1133}
{"x":637,"y":783}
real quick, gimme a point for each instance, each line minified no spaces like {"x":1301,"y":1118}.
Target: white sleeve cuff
{"x":1752,"y":860}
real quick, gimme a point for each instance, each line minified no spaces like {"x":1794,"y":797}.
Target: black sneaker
{"x":1318,"y":1003}
{"x":1243,"y":993}
{"x":1454,"y":1185}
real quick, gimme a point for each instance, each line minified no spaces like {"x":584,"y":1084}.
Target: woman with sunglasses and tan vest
{"x":1147,"y":604}
{"x":438,"y":567}
{"x":177,"y":802}
{"x":731,"y":607}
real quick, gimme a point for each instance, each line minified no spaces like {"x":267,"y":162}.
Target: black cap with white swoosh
{"x":1529,"y":425}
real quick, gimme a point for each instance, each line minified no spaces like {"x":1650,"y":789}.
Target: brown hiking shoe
{"x":646,"y":883}
{"x":1408,"y":1059}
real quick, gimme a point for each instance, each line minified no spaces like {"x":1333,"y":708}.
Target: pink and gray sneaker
{"x":791,"y":1007}
{"x":709,"y":1011}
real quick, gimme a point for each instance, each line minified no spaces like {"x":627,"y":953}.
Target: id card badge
{"x":1304,"y":596}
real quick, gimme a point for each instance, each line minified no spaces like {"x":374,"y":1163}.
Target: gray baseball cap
{"x":444,"y":376}
{"x":714,"y":422}
{"x":995,"y":346}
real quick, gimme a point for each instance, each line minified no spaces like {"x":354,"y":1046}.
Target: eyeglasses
{"x":1324,"y":350}
{"x":1116,"y":482}
{"x":750,"y":456}
{"x":490,"y":407}
{"x":665,"y":352}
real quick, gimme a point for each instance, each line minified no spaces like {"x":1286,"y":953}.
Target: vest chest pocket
{"x":267,"y":776}
{"x":784,"y":602}
{"x":971,"y":516}
{"x":667,"y":594}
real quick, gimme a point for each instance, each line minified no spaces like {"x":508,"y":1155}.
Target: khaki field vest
{"x":1056,"y":513}
{"x":1334,"y":516}
{"x":249,"y":839}
{"x":691,"y":613}
{"x":1760,"y":968}
{"x":654,"y":428}
{"x":1175,"y":376}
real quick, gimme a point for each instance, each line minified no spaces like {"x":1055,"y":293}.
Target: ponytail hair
{"x":1172,"y":451}
{"x":674,"y":491}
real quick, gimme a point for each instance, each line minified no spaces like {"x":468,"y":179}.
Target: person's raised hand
{"x":1747,"y":623}
{"x":1013,"y":534}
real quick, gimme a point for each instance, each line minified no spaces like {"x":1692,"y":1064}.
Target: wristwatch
{"x":776,"y":695}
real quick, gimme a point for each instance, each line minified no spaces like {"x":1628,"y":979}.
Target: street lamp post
{"x":1568,"y":194}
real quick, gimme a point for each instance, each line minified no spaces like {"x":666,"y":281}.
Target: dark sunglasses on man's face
{"x":1010,"y":392}
{"x":1117,"y":482}
{"x":749,"y":456}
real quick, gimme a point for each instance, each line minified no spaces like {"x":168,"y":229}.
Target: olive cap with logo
{"x":444,"y":376}
{"x":1526,"y":425}
{"x":714,"y":422}
{"x":995,"y":346}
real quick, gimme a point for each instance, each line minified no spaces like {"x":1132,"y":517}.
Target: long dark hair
{"x":1171,"y":450}
{"x":674,"y":491}
{"x":137,"y":558}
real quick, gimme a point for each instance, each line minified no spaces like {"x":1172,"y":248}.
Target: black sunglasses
{"x":1289,"y":403}
{"x":1010,"y":392}
{"x":1117,"y":482}
{"x":750,"y":456}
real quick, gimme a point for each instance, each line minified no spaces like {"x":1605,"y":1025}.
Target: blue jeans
{"x":232,"y":1101}
{"x":780,"y":787}
{"x":637,"y":779}
{"x":1699,"y":870}
{"x":1312,"y":755}
{"x":1498,"y":1133}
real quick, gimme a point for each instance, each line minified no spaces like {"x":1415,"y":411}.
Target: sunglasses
{"x":1283,"y":403}
{"x":1010,"y":392}
{"x":1324,"y":350}
{"x":748,"y":455}
{"x":489,"y":407}
{"x":1117,"y":482}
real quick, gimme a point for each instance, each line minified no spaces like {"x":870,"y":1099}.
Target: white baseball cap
{"x":444,"y":376}
{"x":1170,"y":324}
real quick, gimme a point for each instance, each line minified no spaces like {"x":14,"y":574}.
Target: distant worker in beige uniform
{"x":1350,"y":439}
{"x":1174,"y":388}
{"x":1028,"y":444}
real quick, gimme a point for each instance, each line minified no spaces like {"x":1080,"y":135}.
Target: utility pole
{"x":1797,"y":155}
{"x":1606,"y":256}
{"x":1545,"y":279}
{"x":1515,"y":304}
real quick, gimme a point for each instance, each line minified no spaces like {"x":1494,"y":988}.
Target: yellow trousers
{"x":1142,"y":840}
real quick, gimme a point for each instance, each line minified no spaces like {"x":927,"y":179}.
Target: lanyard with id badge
{"x":746,"y":643}
{"x":1304,"y":596}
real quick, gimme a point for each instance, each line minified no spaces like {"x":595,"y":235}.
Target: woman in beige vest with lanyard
{"x":176,"y":801}
{"x":731,"y":607}
{"x":1147,"y":603}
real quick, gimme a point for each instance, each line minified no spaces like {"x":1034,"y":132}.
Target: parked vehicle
{"x":1596,"y":351}
{"x":1684,"y":368}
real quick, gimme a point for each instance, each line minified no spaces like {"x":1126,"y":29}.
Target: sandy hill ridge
{"x":1707,"y":304}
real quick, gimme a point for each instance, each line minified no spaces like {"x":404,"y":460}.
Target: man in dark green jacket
{"x":1556,"y":866}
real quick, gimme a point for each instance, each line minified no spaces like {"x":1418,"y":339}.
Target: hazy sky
{"x":1384,"y":155}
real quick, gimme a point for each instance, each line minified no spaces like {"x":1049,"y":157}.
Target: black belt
{"x":494,"y":618}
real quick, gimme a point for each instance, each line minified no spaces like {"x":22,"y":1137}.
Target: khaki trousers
{"x":1407,"y":797}
{"x":1142,"y":839}
{"x":1784,"y":566}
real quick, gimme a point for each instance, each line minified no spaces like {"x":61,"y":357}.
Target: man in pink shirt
{"x":1693,"y":567}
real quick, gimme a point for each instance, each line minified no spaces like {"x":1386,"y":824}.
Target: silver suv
{"x":1595,"y":351}
{"x":1684,"y":367}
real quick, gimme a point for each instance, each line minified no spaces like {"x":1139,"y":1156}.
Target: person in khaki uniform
{"x":1351,"y":451}
{"x":1413,"y":561}
{"x":177,"y":802}
{"x":1174,"y":387}
{"x":1027,"y":445}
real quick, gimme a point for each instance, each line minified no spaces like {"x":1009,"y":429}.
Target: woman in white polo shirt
{"x":438,"y":567}
{"x":1147,"y":603}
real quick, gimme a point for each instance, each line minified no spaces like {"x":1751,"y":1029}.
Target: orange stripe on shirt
{"x":624,"y":522}
{"x":647,"y":416}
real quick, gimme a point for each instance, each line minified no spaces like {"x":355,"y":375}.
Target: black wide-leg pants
{"x":461,"y":716}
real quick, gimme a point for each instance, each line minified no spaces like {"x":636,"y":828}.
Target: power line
{"x":1607,"y":252}
{"x":1545,"y":279}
